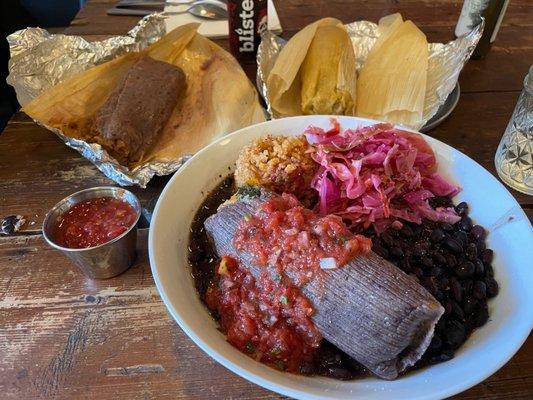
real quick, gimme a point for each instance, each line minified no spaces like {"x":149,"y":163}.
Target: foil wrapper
{"x":445,"y":61}
{"x":40,"y":60}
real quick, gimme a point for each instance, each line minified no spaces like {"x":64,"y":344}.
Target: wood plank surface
{"x":72,"y":338}
{"x":63,"y":336}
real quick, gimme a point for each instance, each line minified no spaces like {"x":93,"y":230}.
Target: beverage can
{"x":247,"y":20}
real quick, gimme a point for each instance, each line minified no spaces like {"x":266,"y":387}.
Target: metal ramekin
{"x":108,"y":259}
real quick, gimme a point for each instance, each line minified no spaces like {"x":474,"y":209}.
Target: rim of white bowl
{"x":452,"y":389}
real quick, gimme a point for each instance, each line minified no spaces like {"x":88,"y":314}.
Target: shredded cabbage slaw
{"x":377,"y":175}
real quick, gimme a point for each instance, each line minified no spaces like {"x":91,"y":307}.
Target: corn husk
{"x":392,"y":82}
{"x":303,"y":71}
{"x":219,"y":97}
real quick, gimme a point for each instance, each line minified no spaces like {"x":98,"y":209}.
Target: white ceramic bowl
{"x":511,"y":237}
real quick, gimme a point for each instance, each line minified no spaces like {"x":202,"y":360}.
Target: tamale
{"x":218,"y":97}
{"x":138,"y":108}
{"x":325,"y":82}
{"x":369,"y":308}
{"x":329,"y":72}
{"x":392,"y":82}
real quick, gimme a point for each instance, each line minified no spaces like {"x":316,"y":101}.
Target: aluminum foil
{"x":40,"y":60}
{"x":445,"y":61}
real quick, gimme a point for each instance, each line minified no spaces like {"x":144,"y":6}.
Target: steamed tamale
{"x":315,"y":73}
{"x":392,"y":82}
{"x":321,"y":71}
{"x":138,"y":108}
{"x":368,"y":308}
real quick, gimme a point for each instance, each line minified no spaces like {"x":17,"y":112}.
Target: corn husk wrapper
{"x":392,"y":82}
{"x":219,"y":97}
{"x":446,"y":61}
{"x":285,"y":80}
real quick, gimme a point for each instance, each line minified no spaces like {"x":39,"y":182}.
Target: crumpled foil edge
{"x":449,"y":58}
{"x":40,"y":60}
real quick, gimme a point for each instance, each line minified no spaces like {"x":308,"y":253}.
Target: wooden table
{"x":65,"y":336}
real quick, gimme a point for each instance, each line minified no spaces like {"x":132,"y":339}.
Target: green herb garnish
{"x":250,"y":348}
{"x":284,"y":299}
{"x":276,"y":277}
{"x":276,"y":350}
{"x":343,"y":239}
{"x":248,"y":191}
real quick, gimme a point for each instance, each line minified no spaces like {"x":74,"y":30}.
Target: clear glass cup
{"x":514,"y":157}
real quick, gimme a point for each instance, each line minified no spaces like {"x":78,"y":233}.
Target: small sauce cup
{"x":105,"y":260}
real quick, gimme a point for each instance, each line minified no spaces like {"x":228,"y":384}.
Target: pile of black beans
{"x":453,"y":264}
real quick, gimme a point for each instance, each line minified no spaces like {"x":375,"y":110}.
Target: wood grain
{"x":63,"y":336}
{"x":70,"y":337}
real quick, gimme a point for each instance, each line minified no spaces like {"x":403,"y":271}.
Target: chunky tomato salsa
{"x":265,"y":314}
{"x":94,"y":222}
{"x":298,"y":242}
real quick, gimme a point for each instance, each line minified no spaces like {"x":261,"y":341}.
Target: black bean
{"x":461,"y":208}
{"x":477,"y":232}
{"x":429,"y":284}
{"x":468,"y":285}
{"x":396,"y":252}
{"x":418,"y":272}
{"x":387,"y":239}
{"x":435,"y":271}
{"x":404,"y":265}
{"x":340,"y":373}
{"x":481,"y":316}
{"x":489,"y":271}
{"x":453,"y":245}
{"x":427,"y":262}
{"x":443,"y":357}
{"x":455,"y":334}
{"x":438,"y":295}
{"x":469,"y":305}
{"x":471,"y":252}
{"x":437,"y":235}
{"x":492,"y":287}
{"x":465,"y":269}
{"x":406,"y":231}
{"x":451,"y":261}
{"x":380,"y":250}
{"x":439,"y":259}
{"x":457,"y":290}
{"x":479,"y":290}
{"x":465,"y":224}
{"x":480,"y":268}
{"x":444,"y":283}
{"x":486,"y":256}
{"x":446,"y":226}
{"x":481,"y":245}
{"x":458,"y":311}
{"x":461,"y":237}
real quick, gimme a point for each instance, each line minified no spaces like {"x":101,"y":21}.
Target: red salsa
{"x":298,"y":242}
{"x":265,"y":318}
{"x":267,"y":315}
{"x":94,"y":222}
